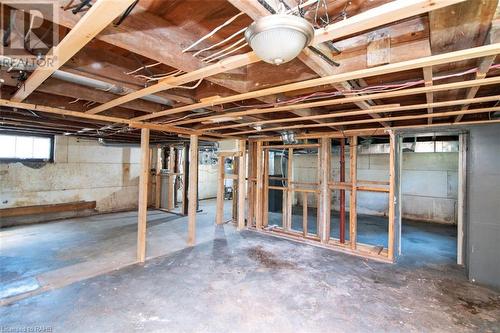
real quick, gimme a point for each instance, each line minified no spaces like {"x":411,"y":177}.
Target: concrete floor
{"x":232,"y":282}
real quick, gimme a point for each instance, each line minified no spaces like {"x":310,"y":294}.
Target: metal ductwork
{"x":85,"y":81}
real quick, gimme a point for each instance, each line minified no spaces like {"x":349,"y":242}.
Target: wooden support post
{"x":158,"y":177}
{"x":241,"y":184}
{"x":219,"y":213}
{"x":392,"y":165}
{"x":193,"y":189}
{"x":143,"y":196}
{"x":171,"y":178}
{"x":324,"y":202}
{"x":259,"y":186}
{"x":252,"y":166}
{"x":353,"y":217}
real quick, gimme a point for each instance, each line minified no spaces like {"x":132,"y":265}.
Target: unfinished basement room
{"x":275,"y":166}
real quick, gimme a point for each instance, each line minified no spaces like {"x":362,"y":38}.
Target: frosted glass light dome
{"x":279,"y":38}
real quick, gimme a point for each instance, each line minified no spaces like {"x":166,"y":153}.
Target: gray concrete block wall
{"x":483,"y":205}
{"x":429,"y":183}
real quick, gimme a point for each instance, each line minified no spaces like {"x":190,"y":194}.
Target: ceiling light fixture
{"x":279,"y":38}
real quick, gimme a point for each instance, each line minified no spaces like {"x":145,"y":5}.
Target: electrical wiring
{"x":215,"y":55}
{"x":223,"y":50}
{"x":366,"y":90}
{"x":190,"y":87}
{"x":213,"y":32}
{"x":184,"y":117}
{"x":157,"y":77}
{"x":221,"y":42}
{"x":143,"y":67}
{"x":227,"y":53}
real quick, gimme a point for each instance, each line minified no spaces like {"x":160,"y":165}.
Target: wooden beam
{"x":241,"y":184}
{"x":477,"y":52}
{"x":255,"y":10}
{"x":369,"y":19}
{"x":483,"y":68}
{"x":379,"y":50}
{"x":428,"y":83}
{"x":99,"y":16}
{"x":345,"y":100}
{"x":387,"y":13}
{"x":193,"y":189}
{"x":143,"y":196}
{"x":381,"y":108}
{"x":364,"y":121}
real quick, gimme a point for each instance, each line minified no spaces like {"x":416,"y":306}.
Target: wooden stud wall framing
{"x":323,"y":189}
{"x":239,"y":177}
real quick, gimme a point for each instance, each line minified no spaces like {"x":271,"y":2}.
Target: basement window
{"x":26,"y":148}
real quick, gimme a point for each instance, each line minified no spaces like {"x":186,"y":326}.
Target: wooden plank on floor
{"x":47,"y":209}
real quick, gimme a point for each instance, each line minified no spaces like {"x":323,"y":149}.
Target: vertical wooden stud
{"x":193,"y":189}
{"x":185,"y":181}
{"x":259,"y":186}
{"x":143,"y":196}
{"x":353,"y":217}
{"x":241,"y":184}
{"x":171,"y":178}
{"x":324,"y":202}
{"x":391,"y":234}
{"x":252,"y":166}
{"x":265,"y":192}
{"x":304,"y":214}
{"x":219,"y":211}
{"x":158,"y":177}
{"x":289,"y":196}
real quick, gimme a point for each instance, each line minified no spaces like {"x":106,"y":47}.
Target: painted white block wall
{"x":429,"y":183}
{"x":83,"y":170}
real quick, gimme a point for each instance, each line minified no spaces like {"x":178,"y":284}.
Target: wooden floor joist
{"x":478,"y":52}
{"x":102,"y":13}
{"x":369,"y":19}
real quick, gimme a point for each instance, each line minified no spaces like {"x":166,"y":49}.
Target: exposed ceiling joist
{"x":365,"y":121}
{"x":477,"y":52}
{"x":379,"y":109}
{"x":347,"y":100}
{"x":428,"y":82}
{"x":101,"y":14}
{"x":369,"y":19}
